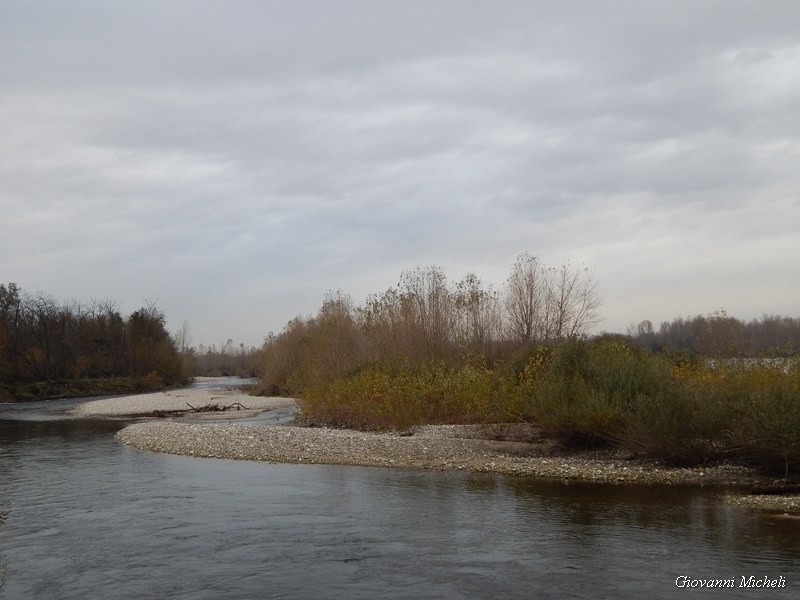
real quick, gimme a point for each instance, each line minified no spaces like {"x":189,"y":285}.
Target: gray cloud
{"x":234,"y":160}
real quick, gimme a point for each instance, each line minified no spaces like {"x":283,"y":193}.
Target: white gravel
{"x":430,"y":447}
{"x":242,"y":404}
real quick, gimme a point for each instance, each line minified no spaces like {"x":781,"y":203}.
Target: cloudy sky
{"x":234,"y":160}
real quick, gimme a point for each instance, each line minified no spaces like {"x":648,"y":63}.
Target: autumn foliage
{"x":427,"y":352}
{"x":49,"y":349}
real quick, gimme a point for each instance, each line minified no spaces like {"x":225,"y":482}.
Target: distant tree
{"x":286,"y":357}
{"x":645,"y":329}
{"x":151,"y":349}
{"x":525,"y":300}
{"x":427,"y":309}
{"x":549,"y":303}
{"x":772,"y":335}
{"x":182,"y":340}
{"x":644,"y":334}
{"x":720,"y":335}
{"x":10,"y":315}
{"x":103,"y":341}
{"x":230,"y":361}
{"x":46,"y":342}
{"x":340,"y":345}
{"x":478,"y":314}
{"x":573,"y":301}
{"x":381,"y":319}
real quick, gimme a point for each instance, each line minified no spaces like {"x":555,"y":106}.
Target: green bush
{"x":762,"y":412}
{"x":585,"y":392}
{"x":677,"y":408}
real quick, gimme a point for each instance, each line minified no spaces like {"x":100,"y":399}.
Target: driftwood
{"x":161,"y":414}
{"x":217,"y":407}
{"x":777,"y":489}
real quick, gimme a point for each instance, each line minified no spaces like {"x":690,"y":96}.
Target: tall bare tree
{"x":478,"y":318}
{"x":524,"y":299}
{"x":427,"y":300}
{"x":573,"y":301}
{"x":549,"y":303}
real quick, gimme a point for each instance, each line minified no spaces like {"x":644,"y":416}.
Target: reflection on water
{"x":655,"y":513}
{"x":93,"y":518}
{"x":4,"y":510}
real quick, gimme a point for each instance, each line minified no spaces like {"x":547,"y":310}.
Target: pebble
{"x":442,"y":447}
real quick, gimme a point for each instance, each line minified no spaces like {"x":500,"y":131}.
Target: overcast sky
{"x":234,"y":160}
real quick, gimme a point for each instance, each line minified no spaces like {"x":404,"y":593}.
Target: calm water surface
{"x":90,"y":518}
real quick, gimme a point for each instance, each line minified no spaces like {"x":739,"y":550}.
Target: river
{"x":87,"y":517}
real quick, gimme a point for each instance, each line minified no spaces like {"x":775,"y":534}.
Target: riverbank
{"x":237,"y":404}
{"x":502,"y":449}
{"x":430,"y":447}
{"x":442,"y":447}
{"x":77,"y":388}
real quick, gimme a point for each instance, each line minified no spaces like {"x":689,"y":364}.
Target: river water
{"x":87,"y":517}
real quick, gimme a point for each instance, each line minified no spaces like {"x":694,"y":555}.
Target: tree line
{"x":424,"y":318}
{"x":46,"y":347}
{"x":719,"y":335}
{"x":428,"y":351}
{"x":227,"y":360}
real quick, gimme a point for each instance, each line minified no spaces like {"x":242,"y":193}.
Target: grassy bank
{"x":588,"y":393}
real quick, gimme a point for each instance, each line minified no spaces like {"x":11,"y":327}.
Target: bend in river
{"x":86,"y":516}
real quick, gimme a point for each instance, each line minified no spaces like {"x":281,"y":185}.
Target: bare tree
{"x":572,"y":301}
{"x":524,"y":299}
{"x":339,"y":346}
{"x":381,"y":320}
{"x":478,"y":319}
{"x":183,"y":338}
{"x":549,"y":303}
{"x":427,"y":303}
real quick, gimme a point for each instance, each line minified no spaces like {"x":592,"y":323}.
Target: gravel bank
{"x":242,"y":405}
{"x":788,"y":505}
{"x":431,"y":447}
{"x":501,"y":449}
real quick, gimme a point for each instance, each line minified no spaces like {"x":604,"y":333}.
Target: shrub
{"x":380,"y":396}
{"x":584,"y":392}
{"x":762,"y":399}
{"x":587,"y":393}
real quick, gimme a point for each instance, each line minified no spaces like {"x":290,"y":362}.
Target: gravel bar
{"x":431,"y":447}
{"x":502,"y":449}
{"x":242,"y":405}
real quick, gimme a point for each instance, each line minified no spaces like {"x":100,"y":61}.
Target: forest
{"x":226,"y":360}
{"x":50,"y":349}
{"x":718,"y":335}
